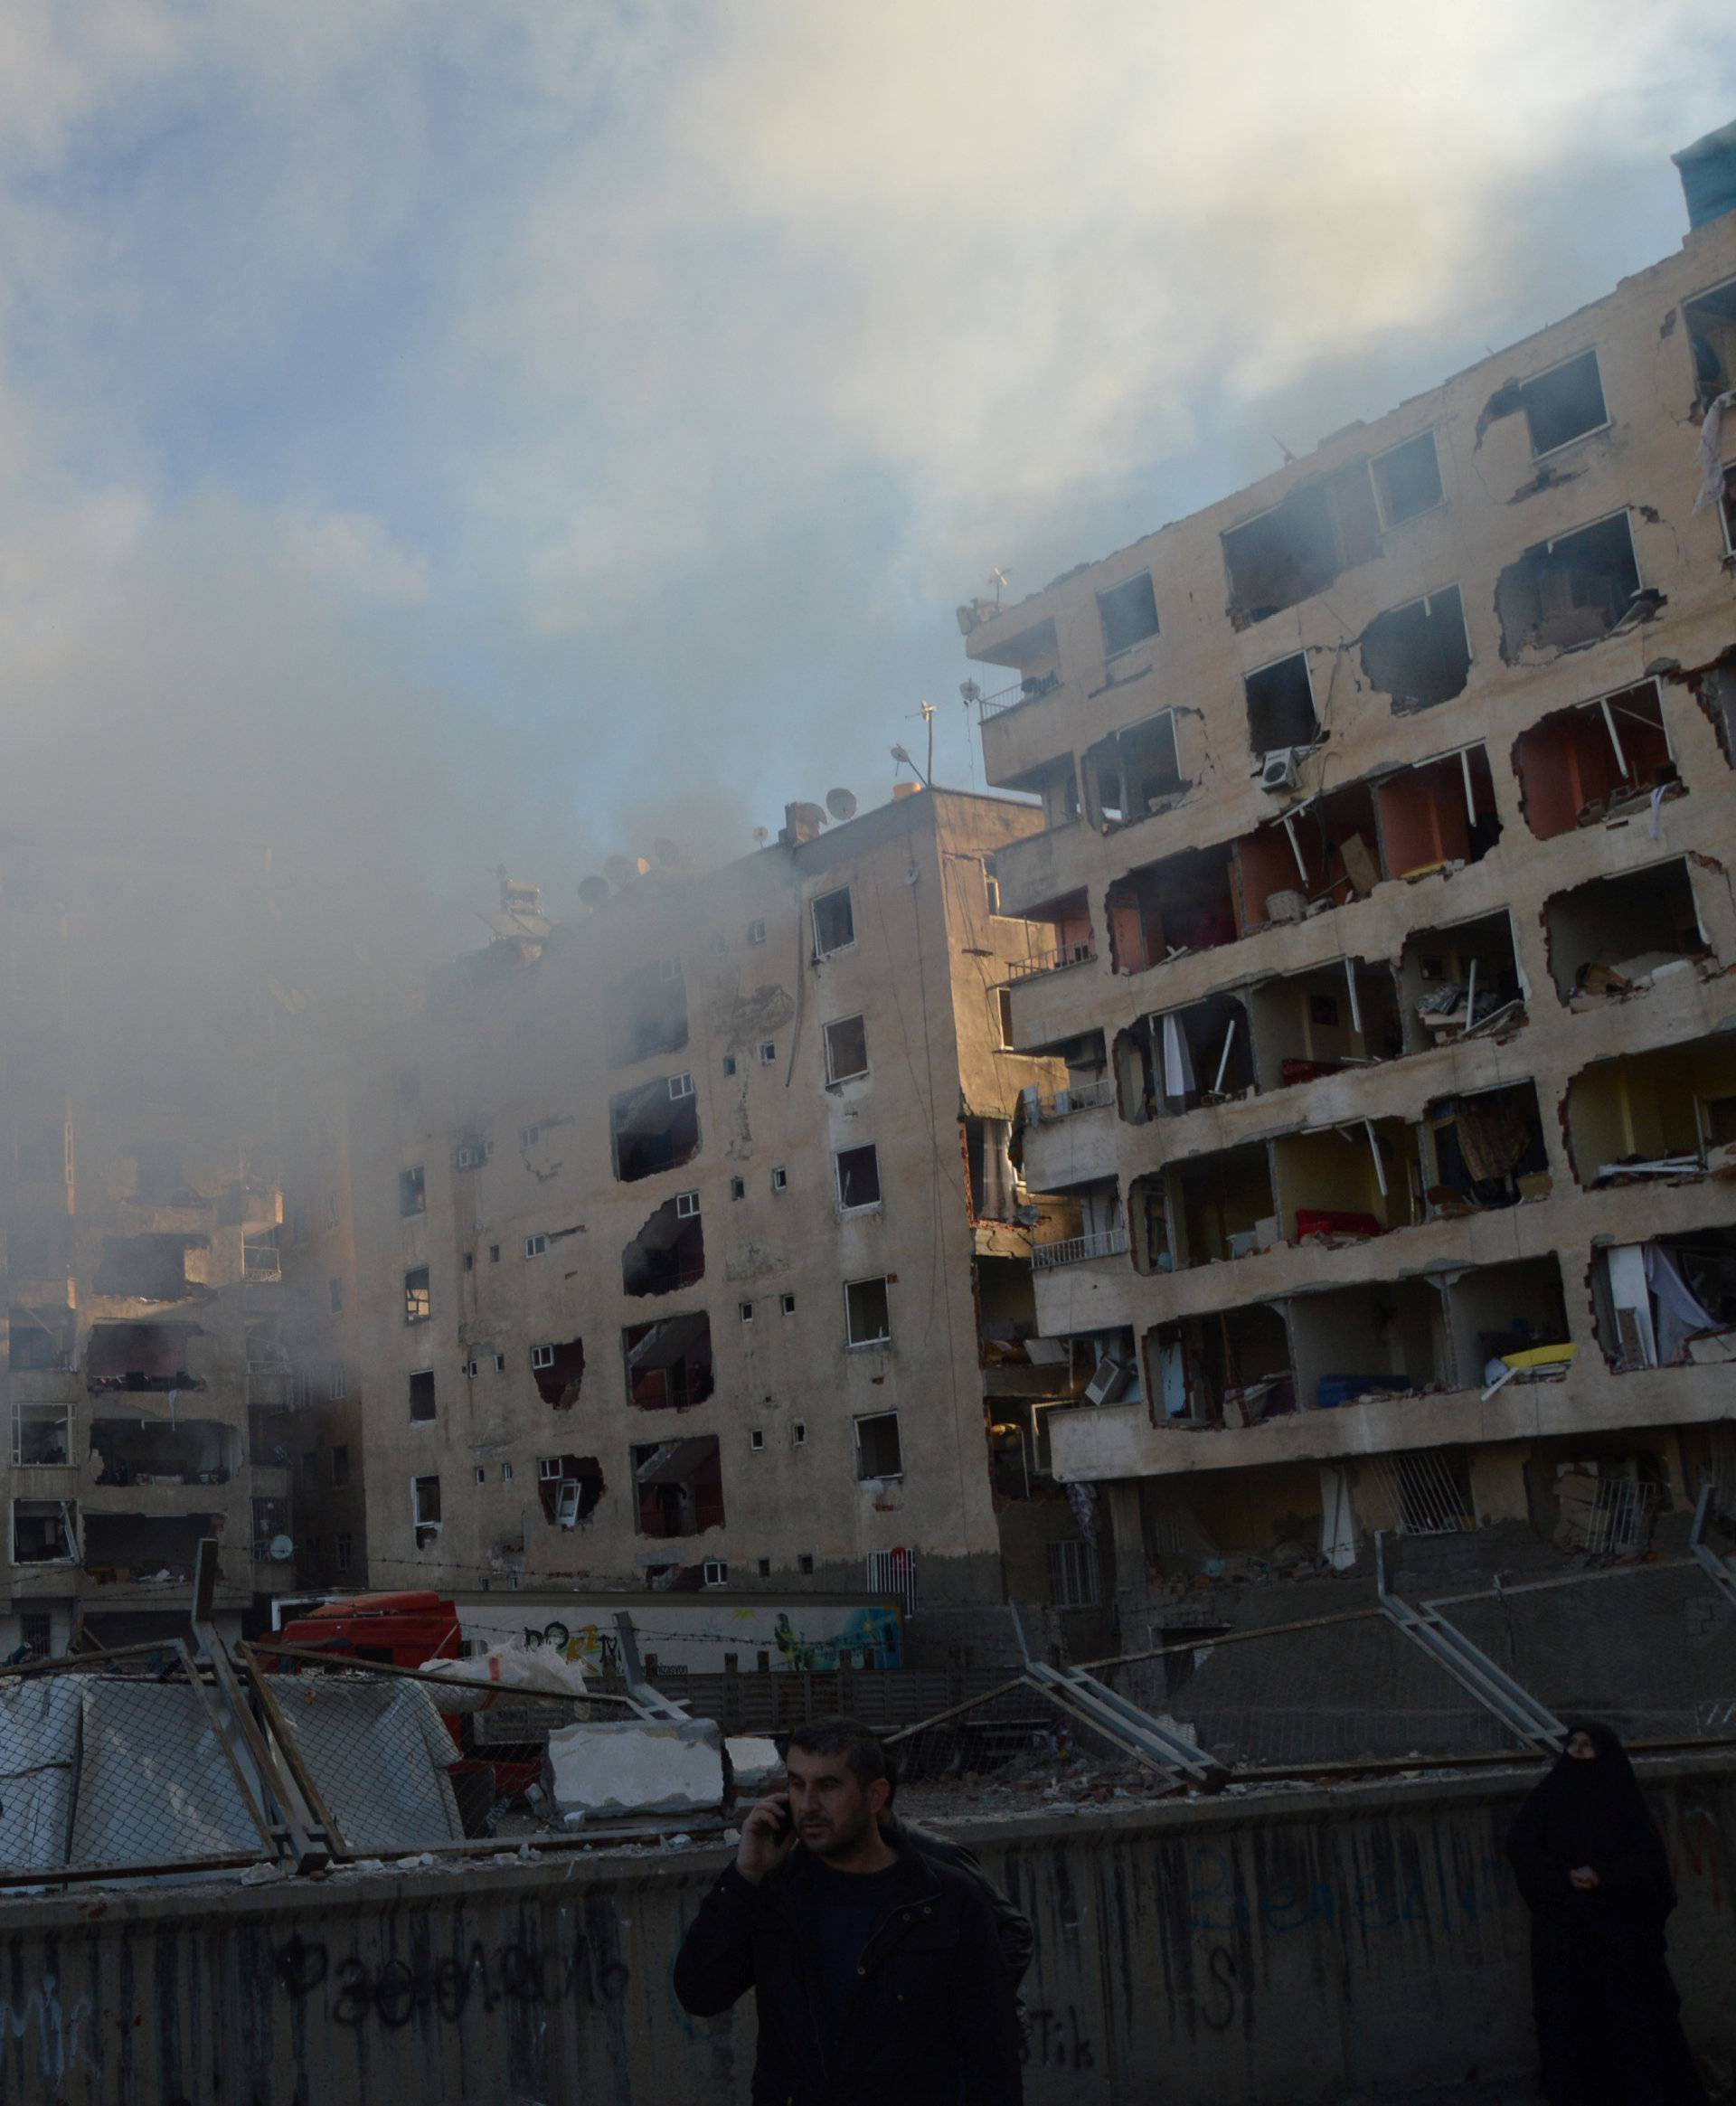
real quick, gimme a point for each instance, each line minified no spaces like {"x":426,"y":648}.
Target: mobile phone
{"x":785,"y":1824}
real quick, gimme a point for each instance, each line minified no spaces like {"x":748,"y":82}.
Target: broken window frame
{"x":845,"y":1204}
{"x":1386,"y":453}
{"x":68,"y":1513}
{"x":1286,"y":745}
{"x":822,"y":949}
{"x":1550,"y":373}
{"x":429,"y":1394}
{"x":864,"y":1473}
{"x":425,"y":1516}
{"x":1547,"y":549}
{"x":840,"y":1023}
{"x":881,"y":1339}
{"x":412,"y":1192}
{"x":1425,"y":601}
{"x":418,"y":1295}
{"x":1115,"y":594}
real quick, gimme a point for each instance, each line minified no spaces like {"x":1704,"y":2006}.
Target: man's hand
{"x":1583,"y":1878}
{"x":767,"y":1838}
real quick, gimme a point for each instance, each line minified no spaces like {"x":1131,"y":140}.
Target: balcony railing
{"x":1052,"y":961}
{"x":1077,"y":1250}
{"x":261,"y":1261}
{"x":1022,"y":691}
{"x":1080,"y":1096}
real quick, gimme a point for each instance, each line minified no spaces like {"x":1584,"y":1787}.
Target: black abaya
{"x":1607,"y":2025}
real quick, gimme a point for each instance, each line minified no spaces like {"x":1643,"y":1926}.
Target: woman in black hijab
{"x":1591,"y":1867}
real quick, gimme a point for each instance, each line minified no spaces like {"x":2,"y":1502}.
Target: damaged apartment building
{"x":690,"y":1253}
{"x":1383,"y":913}
{"x":146,"y":1370}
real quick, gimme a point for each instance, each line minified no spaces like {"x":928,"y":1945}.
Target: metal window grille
{"x":893,"y":1573}
{"x":1426,"y":1491}
{"x":1621,"y":1519}
{"x":1072,"y":1575}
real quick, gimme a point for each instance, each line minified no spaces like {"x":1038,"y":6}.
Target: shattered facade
{"x":146,"y":1373}
{"x":1382,"y":912}
{"x":690,"y":1247}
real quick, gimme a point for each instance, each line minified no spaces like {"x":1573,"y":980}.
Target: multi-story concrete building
{"x":689,"y":1251}
{"x":147,"y":1375}
{"x":1383,"y":913}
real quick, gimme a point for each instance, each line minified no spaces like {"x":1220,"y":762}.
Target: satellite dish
{"x":593,"y":891}
{"x":761,"y":835}
{"x":620,"y":870}
{"x":808,"y":816}
{"x":280,"y":1551}
{"x":841,"y":804}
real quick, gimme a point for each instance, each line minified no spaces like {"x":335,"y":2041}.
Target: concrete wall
{"x":1368,"y":1940}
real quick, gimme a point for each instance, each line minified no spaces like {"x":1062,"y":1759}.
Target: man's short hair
{"x":866,"y":1759}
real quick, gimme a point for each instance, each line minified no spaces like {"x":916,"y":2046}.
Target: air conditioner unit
{"x":1106,"y":1383}
{"x":1277,"y":768}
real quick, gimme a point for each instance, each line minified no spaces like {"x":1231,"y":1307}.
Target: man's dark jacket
{"x":930,"y":2023}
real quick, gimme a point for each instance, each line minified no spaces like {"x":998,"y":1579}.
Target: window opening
{"x":1564,"y":403}
{"x":412,"y":1196}
{"x":421,"y":1397}
{"x":835,"y":926}
{"x":878,"y":1454}
{"x":419,"y":1305}
{"x":1407,"y":479}
{"x":858,"y":1178}
{"x":1280,"y":706}
{"x":868,"y":1319}
{"x":1128,"y":613}
{"x":847,"y":1049}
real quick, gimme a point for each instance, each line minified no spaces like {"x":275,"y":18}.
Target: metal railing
{"x":1021,"y":691}
{"x":1076,"y":1250}
{"x":261,"y":1261}
{"x":1080,"y":1096}
{"x":1052,"y":961}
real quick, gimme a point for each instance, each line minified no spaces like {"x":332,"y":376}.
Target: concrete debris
{"x":637,"y":1767}
{"x":755,"y":1764}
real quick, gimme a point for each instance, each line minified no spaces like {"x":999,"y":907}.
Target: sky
{"x":443,"y":434}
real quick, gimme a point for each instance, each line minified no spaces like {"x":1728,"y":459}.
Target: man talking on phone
{"x":878,"y":1974}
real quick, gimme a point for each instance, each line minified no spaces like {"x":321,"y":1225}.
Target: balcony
{"x":1056,"y":957}
{"x":261,"y":1261}
{"x":1069,"y":1137}
{"x":1080,"y":1250}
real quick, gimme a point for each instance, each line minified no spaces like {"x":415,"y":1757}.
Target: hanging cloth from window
{"x":1178,"y":1061}
{"x":1680,"y":1311}
{"x":1492,"y":1138}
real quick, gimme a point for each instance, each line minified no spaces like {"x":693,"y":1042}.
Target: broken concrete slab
{"x":604,"y":1770}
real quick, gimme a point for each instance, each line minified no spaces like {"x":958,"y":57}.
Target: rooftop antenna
{"x":1289,"y":459}
{"x":969,"y":693}
{"x":1000,"y":580}
{"x":925,"y":710}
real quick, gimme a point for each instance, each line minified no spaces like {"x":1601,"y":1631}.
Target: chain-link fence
{"x":125,"y":1767}
{"x":1649,"y":1646}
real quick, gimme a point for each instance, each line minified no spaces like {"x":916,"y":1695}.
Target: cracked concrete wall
{"x":501,"y":1052}
{"x":1495,"y":506}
